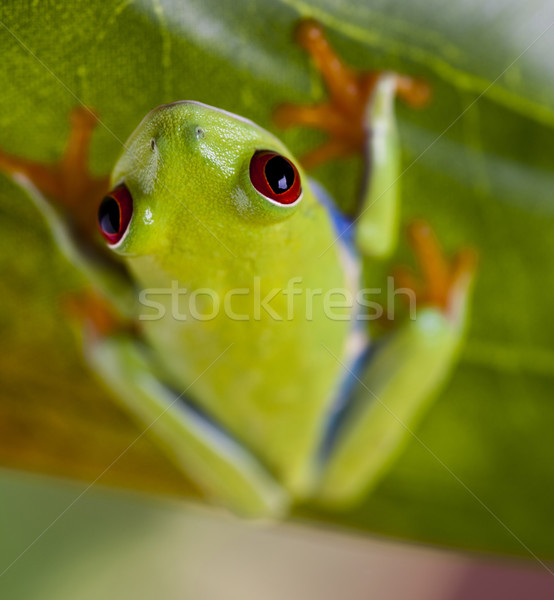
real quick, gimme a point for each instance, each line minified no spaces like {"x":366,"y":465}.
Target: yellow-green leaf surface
{"x":478,"y":472}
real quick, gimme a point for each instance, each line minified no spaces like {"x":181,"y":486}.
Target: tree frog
{"x":228,"y":315}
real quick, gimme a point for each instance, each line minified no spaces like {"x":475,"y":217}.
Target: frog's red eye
{"x":275,"y":177}
{"x":114,"y":214}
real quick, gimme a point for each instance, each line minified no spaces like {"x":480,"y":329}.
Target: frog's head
{"x":191,"y":174}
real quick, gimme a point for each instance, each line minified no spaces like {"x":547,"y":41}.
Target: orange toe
{"x":67,"y":183}
{"x":343,"y":115}
{"x":441,"y":278}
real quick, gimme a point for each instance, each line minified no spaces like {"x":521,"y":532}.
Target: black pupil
{"x":279,"y":174}
{"x":109,"y":215}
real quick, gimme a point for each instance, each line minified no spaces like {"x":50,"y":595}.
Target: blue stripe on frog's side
{"x":342,"y":405}
{"x":344,"y":227}
{"x":357,"y":362}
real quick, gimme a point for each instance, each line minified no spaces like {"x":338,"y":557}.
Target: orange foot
{"x":96,"y":314}
{"x":67,"y":183}
{"x":342,"y":116}
{"x":443,"y":282}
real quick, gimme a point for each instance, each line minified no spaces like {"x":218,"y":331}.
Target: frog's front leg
{"x":220,"y":465}
{"x":68,"y":196}
{"x":404,"y":372}
{"x":67,"y":183}
{"x":358,"y":118}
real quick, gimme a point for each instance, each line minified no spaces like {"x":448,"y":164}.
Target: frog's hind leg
{"x":216,"y":462}
{"x":224,"y":469}
{"x":359,"y":119}
{"x":221,"y":467}
{"x":404,"y":372}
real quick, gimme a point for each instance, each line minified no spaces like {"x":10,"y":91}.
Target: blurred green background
{"x":480,"y":170}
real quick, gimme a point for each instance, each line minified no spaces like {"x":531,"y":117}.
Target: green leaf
{"x":478,"y":166}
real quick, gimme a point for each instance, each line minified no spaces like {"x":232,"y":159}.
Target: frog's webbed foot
{"x":343,"y":117}
{"x":67,"y":184}
{"x":95,"y":315}
{"x":442,"y":282}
